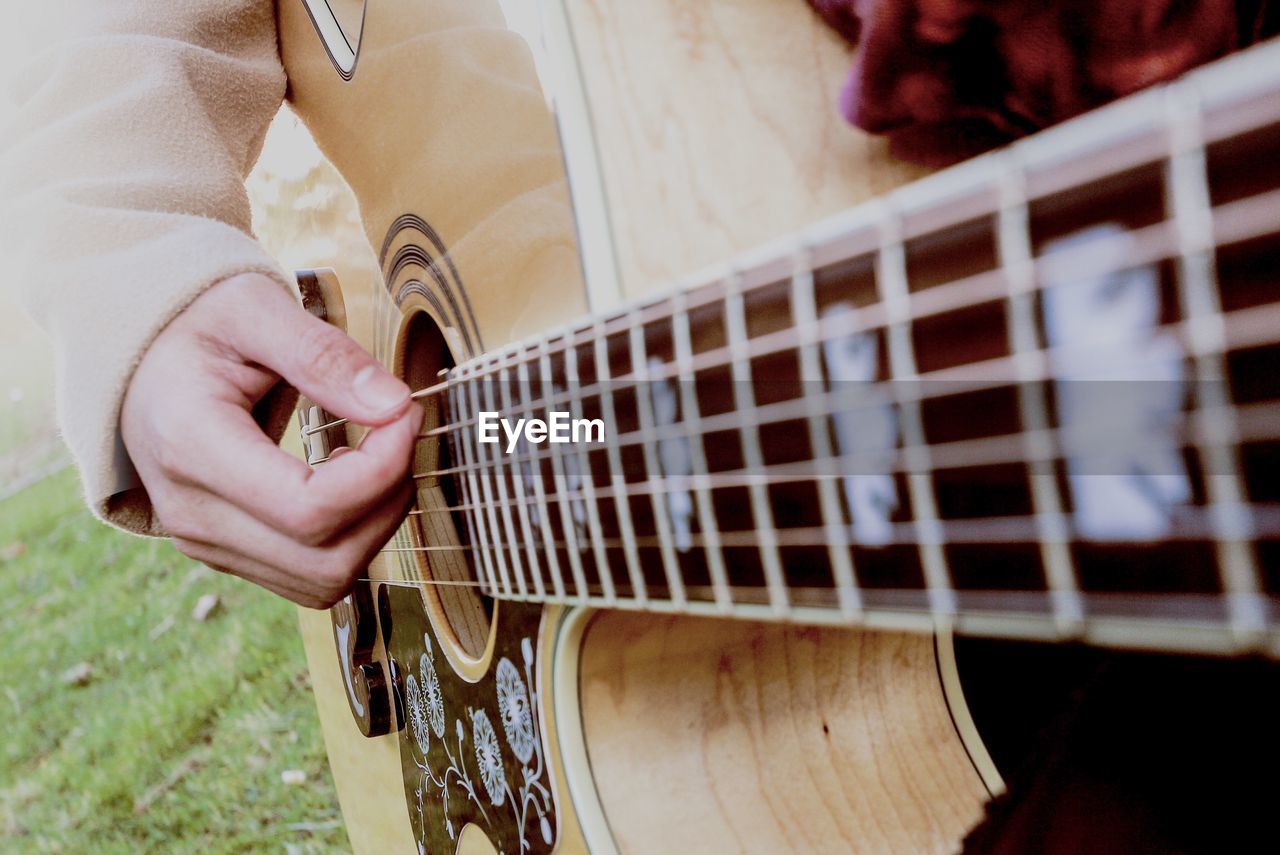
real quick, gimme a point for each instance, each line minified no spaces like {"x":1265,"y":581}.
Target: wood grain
{"x":717,"y":128}
{"x":714,"y":736}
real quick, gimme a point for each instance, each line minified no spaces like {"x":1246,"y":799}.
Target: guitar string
{"x":1252,"y":327}
{"x":838,"y":403}
{"x":1255,"y":423}
{"x":1174,"y":607}
{"x":1190,"y":524}
{"x":1253,"y":419}
{"x":1244,"y":328}
{"x":707,"y":358}
{"x":956,"y":294}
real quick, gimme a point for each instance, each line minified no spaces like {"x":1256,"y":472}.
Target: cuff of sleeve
{"x":101,"y":346}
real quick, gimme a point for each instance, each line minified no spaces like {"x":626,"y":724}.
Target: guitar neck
{"x":1032,"y":395}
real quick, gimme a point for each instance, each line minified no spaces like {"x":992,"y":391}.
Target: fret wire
{"x":1190,"y":207}
{"x":1244,"y":327}
{"x":891,"y":281}
{"x":475,"y":518}
{"x":603,"y":570}
{"x":1026,"y":600}
{"x":975,"y":377}
{"x":1152,"y":623}
{"x":805,"y":319}
{"x":744,"y":401}
{"x":522,"y":508}
{"x":691,"y":412}
{"x":653,"y":470}
{"x":618,"y":481}
{"x":1257,"y":423}
{"x":1157,"y":621}
{"x":500,"y":482}
{"x":484,"y":472}
{"x":1233,"y":222}
{"x":1191,"y":525}
{"x":562,"y":499}
{"x":1013,"y":245}
{"x":544,"y":509}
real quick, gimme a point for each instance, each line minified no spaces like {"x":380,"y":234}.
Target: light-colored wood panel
{"x":708,"y":735}
{"x":717,"y":128}
{"x":445,"y":119}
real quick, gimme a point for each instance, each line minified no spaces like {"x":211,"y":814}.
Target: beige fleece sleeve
{"x":122,"y":195}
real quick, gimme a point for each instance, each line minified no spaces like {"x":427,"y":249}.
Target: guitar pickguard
{"x":471,"y":753}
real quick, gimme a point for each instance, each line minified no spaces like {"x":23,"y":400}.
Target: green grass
{"x":28,"y":440}
{"x":178,"y":741}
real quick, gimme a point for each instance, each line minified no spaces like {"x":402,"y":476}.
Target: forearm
{"x":123,"y":195}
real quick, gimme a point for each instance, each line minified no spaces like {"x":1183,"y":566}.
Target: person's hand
{"x":229,"y":497}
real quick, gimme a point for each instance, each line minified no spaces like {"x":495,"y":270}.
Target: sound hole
{"x":444,"y":534}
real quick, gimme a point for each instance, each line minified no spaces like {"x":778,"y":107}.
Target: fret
{"x":805,"y":317}
{"x":682,"y":342}
{"x":1253,"y":421}
{"x":504,"y":504}
{"x":1190,"y":208}
{"x":653,"y":471}
{"x":470,"y":487}
{"x":484,"y":468}
{"x":1193,"y":525}
{"x":891,"y":281}
{"x":542,"y":508}
{"x":563,"y":500}
{"x":753,"y":459}
{"x":573,"y":384}
{"x":618,"y":482}
{"x":1013,"y":242}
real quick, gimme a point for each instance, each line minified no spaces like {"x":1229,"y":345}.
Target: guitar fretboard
{"x":1033,"y":395}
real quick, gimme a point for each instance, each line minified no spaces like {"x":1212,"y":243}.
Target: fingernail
{"x":378,"y":390}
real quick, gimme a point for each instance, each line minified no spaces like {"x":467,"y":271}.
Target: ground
{"x":177,"y":740}
{"x":179,"y":736}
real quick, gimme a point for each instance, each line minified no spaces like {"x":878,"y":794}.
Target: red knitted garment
{"x":946,"y":79}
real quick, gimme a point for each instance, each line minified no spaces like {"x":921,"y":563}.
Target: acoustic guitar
{"x":849,"y":413}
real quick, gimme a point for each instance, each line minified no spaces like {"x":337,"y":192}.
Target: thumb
{"x":320,"y":360}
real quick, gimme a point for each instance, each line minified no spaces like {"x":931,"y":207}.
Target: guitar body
{"x":689,"y":133}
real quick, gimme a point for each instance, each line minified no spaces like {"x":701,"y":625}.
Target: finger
{"x":312,"y":576}
{"x":210,"y":519}
{"x":321,"y":361}
{"x":234,"y":564}
{"x":241,"y":465}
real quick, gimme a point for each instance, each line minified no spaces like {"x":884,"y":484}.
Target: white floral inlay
{"x":513,"y":707}
{"x":416,"y":713}
{"x":432,"y":697}
{"x":489,"y":757}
